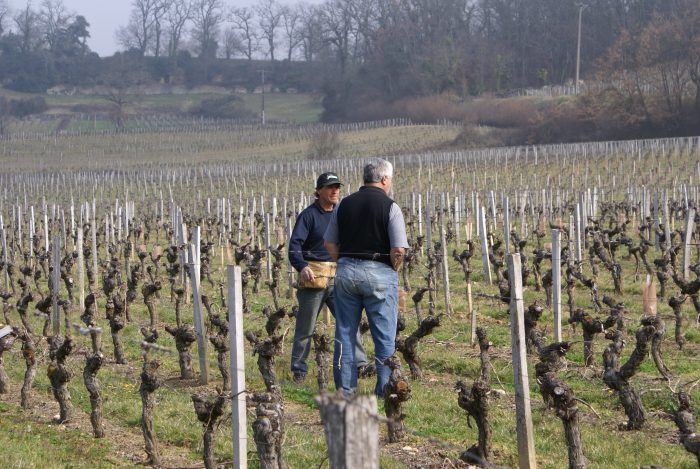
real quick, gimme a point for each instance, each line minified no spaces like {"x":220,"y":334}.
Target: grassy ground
{"x":438,"y":427}
{"x":278,"y":106}
{"x":431,"y":414}
{"x":128,"y":150}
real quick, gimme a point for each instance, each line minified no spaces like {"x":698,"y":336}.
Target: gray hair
{"x":375,"y":171}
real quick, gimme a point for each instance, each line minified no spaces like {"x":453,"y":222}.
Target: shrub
{"x":324,"y":146}
{"x":27,"y":106}
{"x":421,"y":110}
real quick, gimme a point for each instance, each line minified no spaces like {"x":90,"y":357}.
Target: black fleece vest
{"x":363,"y":225}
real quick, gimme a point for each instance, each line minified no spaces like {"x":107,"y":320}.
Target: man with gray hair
{"x":367,"y":236}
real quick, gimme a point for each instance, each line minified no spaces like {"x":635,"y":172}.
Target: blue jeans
{"x":373,"y":286}
{"x":311,"y":300}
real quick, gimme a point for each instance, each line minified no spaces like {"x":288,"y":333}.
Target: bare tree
{"x":177,"y":17}
{"x":291,"y":22}
{"x":232,"y":42}
{"x":27,"y":23}
{"x":159,"y":13}
{"x":364,"y":14}
{"x":269,"y":18}
{"x":119,"y":100}
{"x":242,"y":19}
{"x":309,"y":31}
{"x":139,"y":31}
{"x":53,"y":19}
{"x":4,"y":14}
{"x":207,"y":18}
{"x":338,"y":25}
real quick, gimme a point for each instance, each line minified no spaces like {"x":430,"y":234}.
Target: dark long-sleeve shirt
{"x":306,"y":243}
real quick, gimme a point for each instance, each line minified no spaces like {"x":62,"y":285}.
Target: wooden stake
{"x":445,"y":270}
{"x":93,"y":228}
{"x":352,"y":432}
{"x":197,"y":306}
{"x":578,"y":224}
{"x":686,"y":243}
{"x":506,"y":224}
{"x":523,"y":424}
{"x":267,"y":247}
{"x":484,"y":245}
{"x":556,"y":283}
{"x":56,"y":282}
{"x":81,"y":269}
{"x":235,"y":334}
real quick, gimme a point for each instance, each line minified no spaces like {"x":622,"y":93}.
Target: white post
{"x":235,"y":334}
{"x":4,"y":259}
{"x":667,"y":223}
{"x":686,"y":243}
{"x":578,"y":224}
{"x":445,"y":270}
{"x":81,"y":270}
{"x":428,"y":224}
{"x":523,"y":423}
{"x":267,"y":247}
{"x":556,"y":283}
{"x":506,"y":224}
{"x":197,"y":306}
{"x":56,"y":282}
{"x":32,"y":233}
{"x":93,"y":229}
{"x":240,"y":224}
{"x":46,"y":231}
{"x":420,"y":214}
{"x":484,"y":245}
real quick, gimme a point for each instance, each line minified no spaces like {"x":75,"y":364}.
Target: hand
{"x":396,"y":257}
{"x":307,"y":275}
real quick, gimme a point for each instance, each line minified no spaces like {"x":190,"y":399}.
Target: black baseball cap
{"x":327,"y":179}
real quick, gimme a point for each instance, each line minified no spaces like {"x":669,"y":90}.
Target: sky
{"x":105,"y":16}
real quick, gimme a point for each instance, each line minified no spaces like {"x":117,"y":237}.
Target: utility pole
{"x":578,"y":48}
{"x":262,"y":109}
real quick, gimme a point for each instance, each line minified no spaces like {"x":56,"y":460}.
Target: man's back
{"x":363,"y":225}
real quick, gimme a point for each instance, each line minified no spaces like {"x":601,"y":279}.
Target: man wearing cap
{"x":367,"y":236}
{"x":309,"y":257}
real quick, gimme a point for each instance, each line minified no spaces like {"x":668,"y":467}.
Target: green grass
{"x":300,"y":108}
{"x":25,"y":443}
{"x":436,"y":422}
{"x":432,"y":414}
{"x":286,"y":107}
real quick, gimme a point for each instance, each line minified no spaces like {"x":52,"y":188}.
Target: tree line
{"x":365,"y":51}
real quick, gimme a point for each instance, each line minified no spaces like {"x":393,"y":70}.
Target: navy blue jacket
{"x":306,"y":243}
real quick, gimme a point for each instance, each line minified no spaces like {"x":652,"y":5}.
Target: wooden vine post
{"x":81,"y":269}
{"x":235,"y":334}
{"x":483,"y":234}
{"x":556,"y":283}
{"x":352,"y":431}
{"x":197,"y":307}
{"x":525,"y":432}
{"x":445,"y":270}
{"x":667,"y":222}
{"x":689,"y":224}
{"x":268,"y":254}
{"x":56,"y":284}
{"x":506,"y":224}
{"x":93,"y":229}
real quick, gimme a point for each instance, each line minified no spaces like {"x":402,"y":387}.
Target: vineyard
{"x":550,"y":315}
